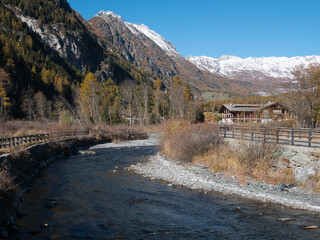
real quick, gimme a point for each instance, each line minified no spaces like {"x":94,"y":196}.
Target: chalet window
{"x":276,"y":111}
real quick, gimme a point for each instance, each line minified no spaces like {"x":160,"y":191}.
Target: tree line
{"x":129,"y":102}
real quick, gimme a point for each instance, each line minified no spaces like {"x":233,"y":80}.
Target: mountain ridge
{"x":253,"y":67}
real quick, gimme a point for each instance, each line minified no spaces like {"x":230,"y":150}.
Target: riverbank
{"x":197,"y":177}
{"x":25,"y":165}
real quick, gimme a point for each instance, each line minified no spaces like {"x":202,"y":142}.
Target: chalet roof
{"x":246,"y":107}
{"x":242,"y":107}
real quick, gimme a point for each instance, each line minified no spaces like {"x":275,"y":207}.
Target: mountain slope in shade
{"x":264,"y":68}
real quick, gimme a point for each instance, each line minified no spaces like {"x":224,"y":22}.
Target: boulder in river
{"x":285,"y":219}
{"x":86,"y":152}
{"x":311,"y":227}
{"x":50,"y":203}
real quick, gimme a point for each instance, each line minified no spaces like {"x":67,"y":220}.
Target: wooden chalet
{"x":254,"y":112}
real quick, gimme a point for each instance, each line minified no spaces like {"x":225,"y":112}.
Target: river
{"x":96,"y":197}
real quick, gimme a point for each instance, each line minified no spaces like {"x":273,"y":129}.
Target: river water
{"x":97,"y":198}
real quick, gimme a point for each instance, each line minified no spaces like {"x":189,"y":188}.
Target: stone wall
{"x":305,"y":161}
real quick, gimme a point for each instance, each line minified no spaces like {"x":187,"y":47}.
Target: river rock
{"x":243,"y":182}
{"x":285,"y":219}
{"x":311,"y":227}
{"x":282,"y":186}
{"x":301,"y":174}
{"x":86,"y":152}
{"x":50,"y":204}
{"x":285,"y":162}
{"x":316,"y":154}
{"x":46,"y":225}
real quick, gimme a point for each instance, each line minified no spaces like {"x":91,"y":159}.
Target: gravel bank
{"x":197,"y":177}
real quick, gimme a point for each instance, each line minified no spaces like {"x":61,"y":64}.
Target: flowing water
{"x":97,"y":198}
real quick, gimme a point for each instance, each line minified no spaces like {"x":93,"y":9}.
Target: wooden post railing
{"x":6,"y":142}
{"x":291,"y":136}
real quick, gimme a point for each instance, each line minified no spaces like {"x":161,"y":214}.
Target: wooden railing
{"x":290,"y":136}
{"x":7,"y":142}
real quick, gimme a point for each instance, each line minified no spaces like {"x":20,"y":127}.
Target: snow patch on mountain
{"x":274,"y":67}
{"x":136,"y":29}
{"x":165,"y":45}
{"x":110,"y":13}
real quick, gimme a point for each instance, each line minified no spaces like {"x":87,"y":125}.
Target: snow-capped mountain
{"x":165,"y":45}
{"x":253,"y":68}
{"x":149,"y":50}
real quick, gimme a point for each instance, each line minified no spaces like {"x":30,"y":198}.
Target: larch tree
{"x":306,"y":101}
{"x":90,"y":95}
{"x":110,"y":92}
{"x":4,"y":100}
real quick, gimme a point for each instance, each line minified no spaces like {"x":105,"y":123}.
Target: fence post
{"x":310,"y":138}
{"x":232,"y":133}
{"x":225,"y":132}
{"x":278,"y":133}
{"x":252,"y":135}
{"x":292,"y":137}
{"x":300,"y":133}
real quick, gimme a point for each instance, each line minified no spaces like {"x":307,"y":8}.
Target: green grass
{"x":214,"y":96}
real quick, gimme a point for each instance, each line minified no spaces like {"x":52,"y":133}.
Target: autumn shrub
{"x":258,"y":154}
{"x":190,"y":140}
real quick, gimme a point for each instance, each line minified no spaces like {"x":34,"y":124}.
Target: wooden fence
{"x":290,"y":136}
{"x":6,"y":142}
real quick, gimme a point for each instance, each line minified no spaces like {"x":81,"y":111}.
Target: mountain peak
{"x":107,"y":13}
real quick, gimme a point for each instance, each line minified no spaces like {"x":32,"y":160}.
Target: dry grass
{"x":7,"y":184}
{"x":313,"y":182}
{"x":20,"y":128}
{"x":253,"y":160}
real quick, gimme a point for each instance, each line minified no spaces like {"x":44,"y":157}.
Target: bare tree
{"x":41,"y":106}
{"x":127,"y":90}
{"x":145,"y":93}
{"x":177,"y":104}
{"x":28,"y":102}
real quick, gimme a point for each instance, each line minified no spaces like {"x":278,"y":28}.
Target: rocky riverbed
{"x":197,"y":177}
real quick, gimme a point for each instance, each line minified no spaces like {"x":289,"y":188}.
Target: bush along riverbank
{"x":17,"y":170}
{"x":195,"y":157}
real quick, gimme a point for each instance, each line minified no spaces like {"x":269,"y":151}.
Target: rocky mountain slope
{"x":46,"y":46}
{"x":148,"y":50}
{"x":257,"y":69}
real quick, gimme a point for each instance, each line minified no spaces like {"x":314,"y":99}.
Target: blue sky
{"x":244,"y":28}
